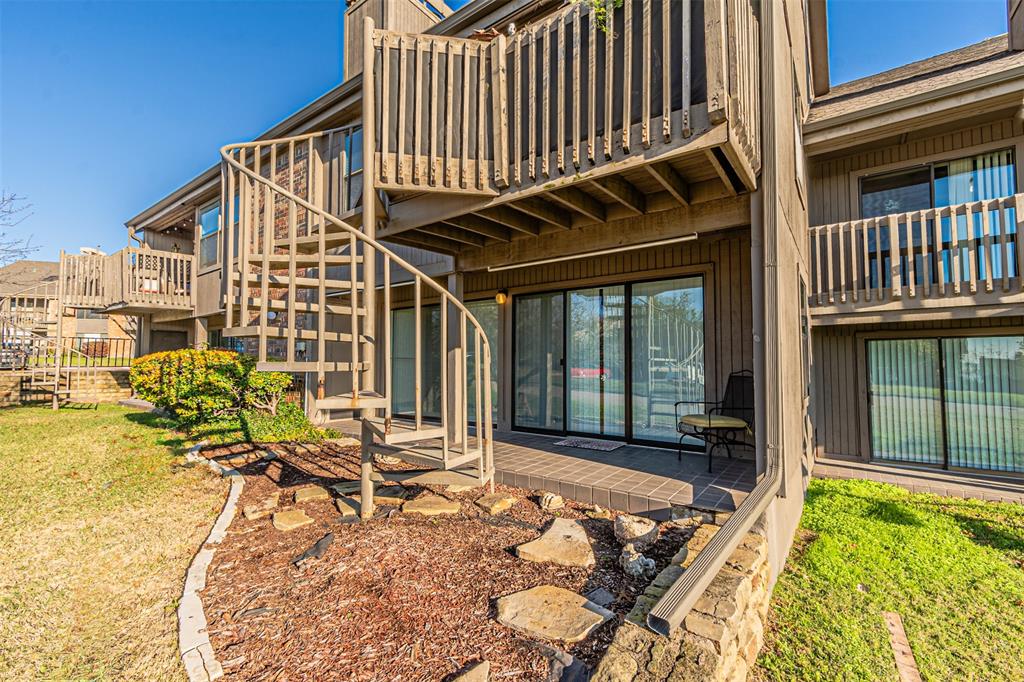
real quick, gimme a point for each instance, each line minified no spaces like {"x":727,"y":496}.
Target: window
{"x":209,"y":233}
{"x":488,"y":314}
{"x":983,"y":176}
{"x":86,"y":314}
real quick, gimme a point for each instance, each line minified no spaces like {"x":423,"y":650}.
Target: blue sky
{"x":105,"y":107}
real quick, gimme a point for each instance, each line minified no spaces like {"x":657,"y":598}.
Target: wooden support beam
{"x":511,"y":219}
{"x":623,"y":192}
{"x":455,"y":234}
{"x":480,"y":226}
{"x":545,"y":212}
{"x":722,"y":174}
{"x":579,"y":201}
{"x":671,"y":181}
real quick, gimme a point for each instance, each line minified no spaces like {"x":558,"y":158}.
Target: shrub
{"x":264,"y":390}
{"x":288,"y":424}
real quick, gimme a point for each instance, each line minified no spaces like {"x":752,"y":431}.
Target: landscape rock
{"x":431,"y":505}
{"x":600,"y":596}
{"x":636,"y":531}
{"x":455,"y":488}
{"x":261,"y":509}
{"x":290,"y":519}
{"x":475,"y":672}
{"x":551,"y":502}
{"x":635,"y":564}
{"x":316,"y":551}
{"x":495,"y":503}
{"x":311,"y":492}
{"x":393,"y":495}
{"x":385,"y":459}
{"x":347,"y":506}
{"x":564,"y":543}
{"x":599,"y":513}
{"x":552,"y":613}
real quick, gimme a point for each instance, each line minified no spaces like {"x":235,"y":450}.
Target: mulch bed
{"x":399,"y":597}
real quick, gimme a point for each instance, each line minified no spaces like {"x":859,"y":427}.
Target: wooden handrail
{"x":968,"y":248}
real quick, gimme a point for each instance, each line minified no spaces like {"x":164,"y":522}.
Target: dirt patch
{"x":398,"y":597}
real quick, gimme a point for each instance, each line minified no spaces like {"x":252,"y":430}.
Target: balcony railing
{"x":966,"y":254}
{"x":132,"y":278}
{"x":576,"y":90}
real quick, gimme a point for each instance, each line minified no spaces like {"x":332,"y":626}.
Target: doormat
{"x":591,"y":444}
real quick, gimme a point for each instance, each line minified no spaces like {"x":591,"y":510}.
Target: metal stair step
{"x":346,"y":401}
{"x":431,"y":455}
{"x":402,"y":431}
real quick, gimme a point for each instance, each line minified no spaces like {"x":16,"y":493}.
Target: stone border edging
{"x":193,"y":642}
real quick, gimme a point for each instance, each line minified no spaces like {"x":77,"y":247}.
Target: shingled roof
{"x":25,"y":273}
{"x":990,"y":56}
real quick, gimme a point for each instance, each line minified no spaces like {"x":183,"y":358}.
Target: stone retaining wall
{"x":722,"y":635}
{"x":104,"y":386}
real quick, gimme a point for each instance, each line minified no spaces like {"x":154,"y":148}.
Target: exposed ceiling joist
{"x":455,"y":234}
{"x":544,"y":211}
{"x":480,"y":226}
{"x":511,"y":219}
{"x":623,"y":192}
{"x":426,"y":241}
{"x":671,"y":181}
{"x":581,"y":202}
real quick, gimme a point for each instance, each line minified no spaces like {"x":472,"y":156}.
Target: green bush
{"x":199,"y":386}
{"x":289,"y":424}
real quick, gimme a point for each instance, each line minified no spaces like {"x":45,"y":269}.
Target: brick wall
{"x":101,"y":387}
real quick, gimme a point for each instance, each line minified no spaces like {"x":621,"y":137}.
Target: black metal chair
{"x":719,"y":423}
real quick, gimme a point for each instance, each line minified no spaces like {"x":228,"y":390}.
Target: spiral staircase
{"x":307,"y":288}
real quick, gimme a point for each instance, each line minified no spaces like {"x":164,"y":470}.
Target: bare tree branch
{"x":13,"y":210}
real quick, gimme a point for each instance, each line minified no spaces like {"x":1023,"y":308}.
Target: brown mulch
{"x":401,"y":597}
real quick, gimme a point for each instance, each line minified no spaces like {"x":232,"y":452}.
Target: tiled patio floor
{"x":922,"y":480}
{"x":636,"y":479}
{"x":640,"y":480}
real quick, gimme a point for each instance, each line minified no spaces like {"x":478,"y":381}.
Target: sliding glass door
{"x":596,"y":349}
{"x":539,"y":361}
{"x":667,"y":354}
{"x":956,"y":402}
{"x":609,"y":361}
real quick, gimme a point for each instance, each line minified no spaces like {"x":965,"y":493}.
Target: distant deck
{"x":637,"y":479}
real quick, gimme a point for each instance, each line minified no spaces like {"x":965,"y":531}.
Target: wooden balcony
{"x":941,"y":262}
{"x":131,"y":281}
{"x":570,"y":120}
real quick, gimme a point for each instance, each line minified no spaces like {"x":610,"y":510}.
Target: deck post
{"x":58,"y":334}
{"x":365,"y":472}
{"x":455,"y":359}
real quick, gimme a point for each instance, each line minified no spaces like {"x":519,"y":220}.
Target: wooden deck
{"x":641,"y":480}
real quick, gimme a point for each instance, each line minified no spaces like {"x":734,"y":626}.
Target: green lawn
{"x":99,"y":519}
{"x":953,"y":569}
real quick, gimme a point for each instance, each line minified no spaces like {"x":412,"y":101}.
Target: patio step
{"x":434,"y":477}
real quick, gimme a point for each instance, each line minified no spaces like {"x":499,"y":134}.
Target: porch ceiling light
{"x":589,"y":254}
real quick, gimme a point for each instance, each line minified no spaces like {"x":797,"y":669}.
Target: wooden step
{"x":366,"y":400}
{"x":404,"y":431}
{"x":302,"y":259}
{"x":309,"y":366}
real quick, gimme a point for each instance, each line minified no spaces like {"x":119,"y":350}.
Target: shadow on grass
{"x":991,"y":534}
